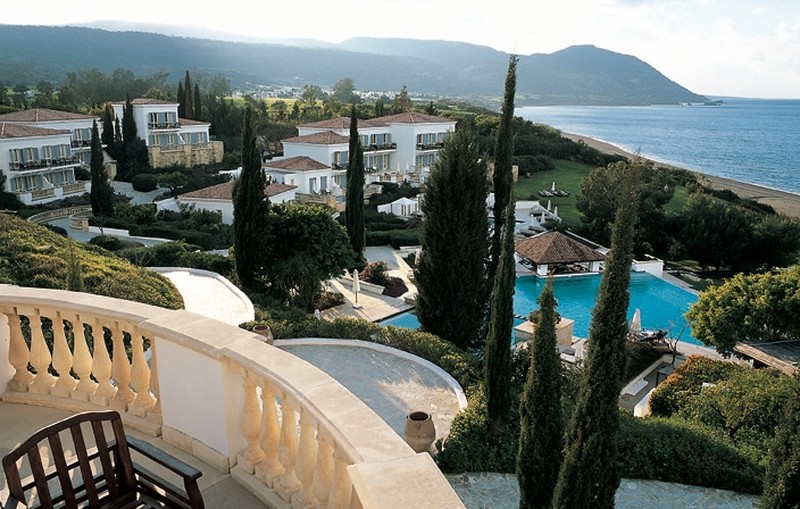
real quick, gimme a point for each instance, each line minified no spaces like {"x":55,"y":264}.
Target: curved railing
{"x":284,"y":429}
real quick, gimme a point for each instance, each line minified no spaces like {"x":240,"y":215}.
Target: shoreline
{"x":783,"y":202}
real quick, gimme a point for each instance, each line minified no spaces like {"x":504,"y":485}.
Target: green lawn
{"x":567,"y":176}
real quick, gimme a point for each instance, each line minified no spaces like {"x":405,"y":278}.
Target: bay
{"x":750,"y":140}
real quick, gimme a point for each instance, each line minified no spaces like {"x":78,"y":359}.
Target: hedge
{"x":673,"y":450}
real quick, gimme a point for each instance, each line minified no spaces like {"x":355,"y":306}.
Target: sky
{"x":741,"y":48}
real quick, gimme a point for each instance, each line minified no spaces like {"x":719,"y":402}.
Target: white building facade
{"x":38,"y":163}
{"x":169,"y":139}
{"x":397,"y":148}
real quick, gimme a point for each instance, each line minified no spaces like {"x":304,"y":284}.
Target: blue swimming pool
{"x":662,"y":304}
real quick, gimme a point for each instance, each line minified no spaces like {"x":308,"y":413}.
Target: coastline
{"x":782,"y":201}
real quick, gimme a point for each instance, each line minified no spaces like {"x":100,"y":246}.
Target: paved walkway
{"x":209,"y":294}
{"x":501,"y":491}
{"x":390,"y":385}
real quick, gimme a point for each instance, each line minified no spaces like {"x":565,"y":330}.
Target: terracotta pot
{"x":419,"y":432}
{"x":265,"y":331}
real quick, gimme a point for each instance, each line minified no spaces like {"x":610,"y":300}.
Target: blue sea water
{"x":749,"y":140}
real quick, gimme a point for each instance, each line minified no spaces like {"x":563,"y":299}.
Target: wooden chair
{"x":100,"y":473}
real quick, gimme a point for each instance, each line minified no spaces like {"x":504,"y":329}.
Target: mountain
{"x":576,"y":75}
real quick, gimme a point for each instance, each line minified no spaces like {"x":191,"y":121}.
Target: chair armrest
{"x":166,"y":460}
{"x":192,"y":497}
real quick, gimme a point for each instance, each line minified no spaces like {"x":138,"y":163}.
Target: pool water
{"x":662,"y":304}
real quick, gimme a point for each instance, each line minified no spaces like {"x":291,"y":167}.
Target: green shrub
{"x":472,"y":447}
{"x":108,"y":242}
{"x":685,"y":382}
{"x":144,"y":183}
{"x":378,"y":238}
{"x":400,"y":238}
{"x":31,"y":255}
{"x":673,"y":450}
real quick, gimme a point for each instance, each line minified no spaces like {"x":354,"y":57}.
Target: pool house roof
{"x":781,"y":355}
{"x":553,"y":248}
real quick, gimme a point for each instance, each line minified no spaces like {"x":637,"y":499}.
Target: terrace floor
{"x":220,"y":491}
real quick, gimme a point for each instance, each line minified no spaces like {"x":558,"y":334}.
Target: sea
{"x":750,"y":140}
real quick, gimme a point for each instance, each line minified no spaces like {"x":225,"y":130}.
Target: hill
{"x":576,"y":75}
{"x":32,"y":255}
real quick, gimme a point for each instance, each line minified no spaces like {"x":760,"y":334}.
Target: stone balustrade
{"x":285,"y":430}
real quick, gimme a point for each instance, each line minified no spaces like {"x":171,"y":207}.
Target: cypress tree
{"x":503,"y":179}
{"x":589,"y":475}
{"x":101,"y":194}
{"x":497,"y":354}
{"x":198,"y":108}
{"x":187,"y":101}
{"x":107,"y":138}
{"x":354,"y":211}
{"x":250,"y":209}
{"x":128,"y":123}
{"x":450,"y":272}
{"x":782,"y":480}
{"x":117,"y":133}
{"x":541,"y":423}
{"x":181,"y":101}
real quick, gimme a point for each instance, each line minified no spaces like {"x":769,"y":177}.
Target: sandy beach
{"x":782,"y":201}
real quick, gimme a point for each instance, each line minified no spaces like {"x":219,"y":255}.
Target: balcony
{"x":276,"y":425}
{"x":43,"y":163}
{"x":154,"y":126}
{"x":430,"y":146}
{"x":380,"y":147}
{"x":81,"y":143}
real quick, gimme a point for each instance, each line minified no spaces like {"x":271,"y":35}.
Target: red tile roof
{"x":337,"y":124}
{"x":410,"y":117}
{"x":224,"y":191}
{"x":298,"y":163}
{"x":42,"y":115}
{"x":189,"y":121}
{"x":14,"y":130}
{"x":555,"y":247}
{"x":324,"y":138}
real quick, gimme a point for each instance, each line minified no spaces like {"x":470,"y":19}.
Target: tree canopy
{"x":755,"y":307}
{"x":307,"y":247}
{"x":600,"y":196}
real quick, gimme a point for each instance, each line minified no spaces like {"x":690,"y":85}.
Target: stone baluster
{"x":341,"y":488}
{"x":140,"y":378}
{"x":287,"y":450}
{"x":40,"y":357}
{"x":155,"y":413}
{"x":62,"y":360}
{"x":101,"y":367}
{"x":82,"y":363}
{"x":323,"y":471}
{"x":121,"y":371}
{"x":251,"y":420}
{"x":270,"y":435}
{"x":18,"y":355}
{"x":306,"y":457}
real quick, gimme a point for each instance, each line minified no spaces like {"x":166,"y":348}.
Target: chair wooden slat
{"x":85,"y":465}
{"x":105,"y":458}
{"x":62,"y":470}
{"x":39,"y":479}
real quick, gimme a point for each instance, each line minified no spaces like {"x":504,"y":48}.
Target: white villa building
{"x":397,"y":148}
{"x":171,"y":140}
{"x":219,"y":198}
{"x":39,"y":151}
{"x":309,"y":175}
